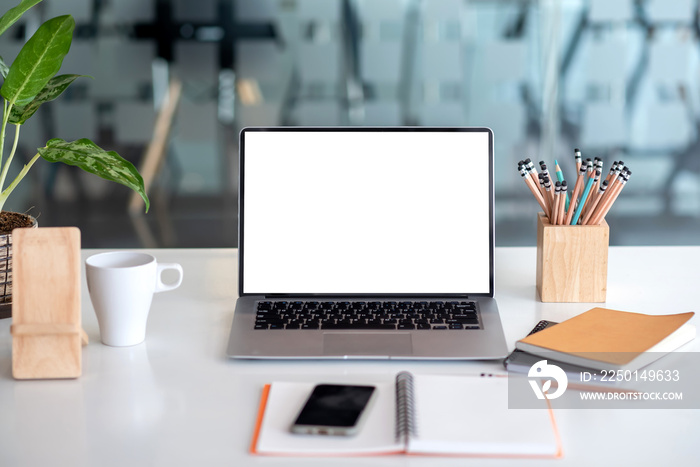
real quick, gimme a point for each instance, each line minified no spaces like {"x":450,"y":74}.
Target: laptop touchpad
{"x":365,"y":343}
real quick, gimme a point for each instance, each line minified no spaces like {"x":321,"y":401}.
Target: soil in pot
{"x":13,"y":220}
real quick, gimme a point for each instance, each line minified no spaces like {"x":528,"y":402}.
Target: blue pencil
{"x":584,"y":196}
{"x":560,"y":177}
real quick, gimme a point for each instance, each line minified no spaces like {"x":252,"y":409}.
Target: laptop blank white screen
{"x":366,"y":212}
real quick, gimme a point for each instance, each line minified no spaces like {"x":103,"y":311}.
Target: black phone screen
{"x":334,"y":405}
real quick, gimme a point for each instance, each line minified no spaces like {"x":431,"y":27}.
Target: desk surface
{"x":177,"y":401}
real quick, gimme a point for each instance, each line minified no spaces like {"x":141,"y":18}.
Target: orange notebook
{"x":451,"y":416}
{"x":609,"y":339}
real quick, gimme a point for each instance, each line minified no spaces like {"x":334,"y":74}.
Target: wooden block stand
{"x":46,"y":328}
{"x":572,"y":261}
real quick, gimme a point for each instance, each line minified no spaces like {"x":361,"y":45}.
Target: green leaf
{"x":91,"y":158}
{"x":4,"y":69}
{"x":13,"y":14}
{"x":51,"y":91}
{"x":38,"y":61}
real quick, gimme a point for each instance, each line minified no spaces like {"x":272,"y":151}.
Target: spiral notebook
{"x":417,"y":415}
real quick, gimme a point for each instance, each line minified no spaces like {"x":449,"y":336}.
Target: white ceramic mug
{"x":121,"y":286}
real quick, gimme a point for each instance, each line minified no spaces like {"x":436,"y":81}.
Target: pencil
{"x":589,"y":171}
{"x":584,"y":197}
{"x":532,"y":171}
{"x":577,"y":158}
{"x":594,"y":202}
{"x":560,"y":213}
{"x":557,"y":202}
{"x":560,"y":177}
{"x":599,"y":167}
{"x":603,"y":211}
{"x":618,"y":170}
{"x":557,"y":171}
{"x":535,"y":175}
{"x":549,"y":190}
{"x":594,"y":188}
{"x":611,"y":174}
{"x":602,"y":204}
{"x":543,"y":189}
{"x":574,"y":196}
{"x":617,"y":178}
{"x":544,"y":170}
{"x":535,"y":191}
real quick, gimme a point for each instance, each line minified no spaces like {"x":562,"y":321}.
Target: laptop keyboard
{"x":361,"y":315}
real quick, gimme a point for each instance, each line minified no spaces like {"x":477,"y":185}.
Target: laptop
{"x":366,"y":243}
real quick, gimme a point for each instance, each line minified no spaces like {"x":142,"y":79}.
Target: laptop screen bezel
{"x":241,"y":214}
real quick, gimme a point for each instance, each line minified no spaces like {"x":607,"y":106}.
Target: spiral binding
{"x":405,"y":408}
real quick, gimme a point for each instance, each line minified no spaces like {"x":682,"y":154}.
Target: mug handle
{"x":160,"y":285}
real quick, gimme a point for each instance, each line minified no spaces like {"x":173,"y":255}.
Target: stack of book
{"x":602,"y":340}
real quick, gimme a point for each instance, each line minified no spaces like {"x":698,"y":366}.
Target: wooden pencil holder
{"x":572,"y":261}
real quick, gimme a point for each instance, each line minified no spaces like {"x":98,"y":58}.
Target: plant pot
{"x":6,"y":269}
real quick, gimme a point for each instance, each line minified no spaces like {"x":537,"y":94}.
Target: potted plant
{"x":28,"y":82}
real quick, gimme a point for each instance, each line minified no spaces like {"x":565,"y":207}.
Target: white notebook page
{"x":470,"y":415}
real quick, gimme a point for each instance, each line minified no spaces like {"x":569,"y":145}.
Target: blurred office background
{"x":617,"y":78}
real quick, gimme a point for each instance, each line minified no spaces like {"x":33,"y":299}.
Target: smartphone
{"x":334,"y":409}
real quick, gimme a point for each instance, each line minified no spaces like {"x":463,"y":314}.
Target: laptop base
{"x":485,"y":343}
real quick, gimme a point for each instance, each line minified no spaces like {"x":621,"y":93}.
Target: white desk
{"x":177,"y":401}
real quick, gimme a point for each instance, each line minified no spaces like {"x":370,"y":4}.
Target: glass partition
{"x":617,"y":79}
